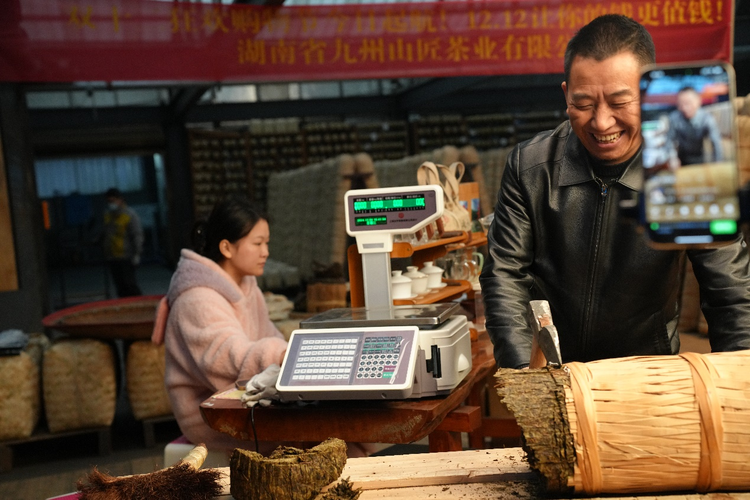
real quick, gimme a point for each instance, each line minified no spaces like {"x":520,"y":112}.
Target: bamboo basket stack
{"x":20,"y":389}
{"x":638,"y":424}
{"x":79,"y":385}
{"x":144,"y":376}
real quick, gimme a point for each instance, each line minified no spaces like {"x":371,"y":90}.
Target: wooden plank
{"x":497,"y":474}
{"x":8,"y":269}
{"x":513,"y":491}
{"x":470,"y":466}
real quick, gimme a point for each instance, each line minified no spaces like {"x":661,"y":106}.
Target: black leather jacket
{"x":559,"y":235}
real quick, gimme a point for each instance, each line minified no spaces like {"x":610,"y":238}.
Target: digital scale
{"x":379,"y":351}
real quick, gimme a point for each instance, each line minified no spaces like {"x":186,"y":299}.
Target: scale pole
{"x":376,"y":278}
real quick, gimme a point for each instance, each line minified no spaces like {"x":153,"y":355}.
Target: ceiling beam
{"x":184,"y":99}
{"x":349,"y":106}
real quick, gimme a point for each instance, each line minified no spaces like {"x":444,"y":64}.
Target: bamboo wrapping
{"x":19,"y":396}
{"x":144,"y":374}
{"x":78,"y":381}
{"x":661,"y":423}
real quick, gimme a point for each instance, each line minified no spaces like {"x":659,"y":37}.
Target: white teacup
{"x":400,"y":286}
{"x":434,"y":274}
{"x":418,"y":280}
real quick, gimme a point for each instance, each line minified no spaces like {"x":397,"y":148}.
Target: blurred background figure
{"x":123,"y":243}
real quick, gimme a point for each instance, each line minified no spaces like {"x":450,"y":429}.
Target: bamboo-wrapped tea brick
{"x":638,"y":424}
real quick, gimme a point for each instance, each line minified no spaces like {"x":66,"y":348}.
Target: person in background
{"x":214,"y":321}
{"x":689,"y":125}
{"x":123,"y":243}
{"x":558,"y":234}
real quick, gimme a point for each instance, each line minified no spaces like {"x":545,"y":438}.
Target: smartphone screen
{"x":690,"y":177}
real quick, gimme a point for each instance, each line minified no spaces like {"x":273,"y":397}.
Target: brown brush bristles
{"x":179,"y":482}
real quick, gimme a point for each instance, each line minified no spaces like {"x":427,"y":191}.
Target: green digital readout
{"x":389,"y":203}
{"x":371,"y":221}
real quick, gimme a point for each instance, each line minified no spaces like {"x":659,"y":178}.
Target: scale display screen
{"x":395,"y":209}
{"x":375,"y":204}
{"x":370,"y":221}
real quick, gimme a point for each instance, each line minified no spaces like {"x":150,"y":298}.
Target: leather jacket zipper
{"x":604,"y":191}
{"x":603,"y":186}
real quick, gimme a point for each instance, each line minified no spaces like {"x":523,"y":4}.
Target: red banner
{"x":121,"y":40}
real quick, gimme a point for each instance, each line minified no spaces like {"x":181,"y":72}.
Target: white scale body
{"x":378,"y":362}
{"x":379,"y":351}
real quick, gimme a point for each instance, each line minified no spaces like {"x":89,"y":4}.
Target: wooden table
{"x":442,"y":418}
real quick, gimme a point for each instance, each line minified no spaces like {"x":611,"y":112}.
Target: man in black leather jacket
{"x":558,"y":233}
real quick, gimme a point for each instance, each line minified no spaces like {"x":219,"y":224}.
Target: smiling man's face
{"x":603,"y":100}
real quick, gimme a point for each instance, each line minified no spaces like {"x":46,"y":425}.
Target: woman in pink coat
{"x":214,"y":321}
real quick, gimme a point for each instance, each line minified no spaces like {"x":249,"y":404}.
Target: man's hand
{"x":136,"y":260}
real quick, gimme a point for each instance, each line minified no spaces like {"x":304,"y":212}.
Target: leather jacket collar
{"x":576,"y":155}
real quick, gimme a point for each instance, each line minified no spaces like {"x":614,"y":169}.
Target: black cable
{"x":252,"y":423}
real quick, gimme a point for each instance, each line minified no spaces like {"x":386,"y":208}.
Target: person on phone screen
{"x":690,"y":125}
{"x":558,"y":233}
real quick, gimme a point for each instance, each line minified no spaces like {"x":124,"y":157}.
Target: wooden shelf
{"x":419,"y":255}
{"x":403,"y":249}
{"x":453,"y":289}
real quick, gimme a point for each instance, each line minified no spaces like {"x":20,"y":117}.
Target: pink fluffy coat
{"x":215,"y":333}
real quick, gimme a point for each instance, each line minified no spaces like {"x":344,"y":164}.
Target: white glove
{"x":136,"y":260}
{"x":262,"y":387}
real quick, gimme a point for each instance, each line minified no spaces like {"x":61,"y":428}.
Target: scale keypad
{"x":379,"y":358}
{"x":338,"y":359}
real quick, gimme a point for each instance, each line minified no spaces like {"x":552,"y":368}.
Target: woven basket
{"x":144,"y":371}
{"x":79,"y":385}
{"x":19,"y":396}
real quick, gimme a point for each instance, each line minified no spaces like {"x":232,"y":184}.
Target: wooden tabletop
{"x":368,"y":421}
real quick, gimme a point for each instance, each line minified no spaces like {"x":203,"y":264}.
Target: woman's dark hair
{"x":608,"y":35}
{"x":231,"y":219}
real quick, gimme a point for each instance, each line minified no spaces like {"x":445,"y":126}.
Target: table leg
{"x":445,"y":441}
{"x":477,"y":397}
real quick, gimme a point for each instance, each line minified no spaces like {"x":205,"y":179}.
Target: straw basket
{"x":20,"y":400}
{"x":79,"y":385}
{"x":638,"y":424}
{"x":144,"y":371}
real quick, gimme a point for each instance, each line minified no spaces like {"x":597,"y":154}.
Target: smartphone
{"x":690,"y":192}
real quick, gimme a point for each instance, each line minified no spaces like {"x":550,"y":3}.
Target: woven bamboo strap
{"x":588,"y":458}
{"x":709,"y":407}
{"x":712,"y":429}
